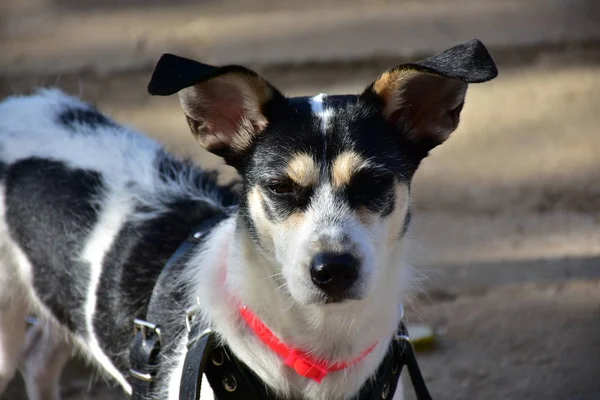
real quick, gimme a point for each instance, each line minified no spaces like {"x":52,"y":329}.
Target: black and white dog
{"x":90,"y":211}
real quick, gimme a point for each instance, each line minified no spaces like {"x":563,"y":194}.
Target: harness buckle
{"x":400,"y":337}
{"x":140,"y":375}
{"x":401,"y":334}
{"x":190,"y":314}
{"x":143,"y":327}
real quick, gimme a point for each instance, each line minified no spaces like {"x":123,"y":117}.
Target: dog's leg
{"x":42,"y":361}
{"x":13,"y":309}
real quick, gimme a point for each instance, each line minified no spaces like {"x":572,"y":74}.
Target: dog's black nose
{"x":334,"y":273}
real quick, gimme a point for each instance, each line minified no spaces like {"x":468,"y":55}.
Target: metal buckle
{"x":140,"y":375}
{"x":193,"y":340}
{"x":401,"y":334}
{"x":144,"y":328}
{"x":190,"y":314}
{"x":141,"y":326}
{"x":399,"y":337}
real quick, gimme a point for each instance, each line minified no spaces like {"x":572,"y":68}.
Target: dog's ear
{"x":224,"y":106}
{"x":423,"y":100}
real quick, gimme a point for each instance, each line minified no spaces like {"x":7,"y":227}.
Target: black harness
{"x":229,"y":378}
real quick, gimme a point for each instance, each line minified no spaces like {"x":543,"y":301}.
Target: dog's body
{"x":90,"y":211}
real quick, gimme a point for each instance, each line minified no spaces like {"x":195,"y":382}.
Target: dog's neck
{"x":242,"y":274}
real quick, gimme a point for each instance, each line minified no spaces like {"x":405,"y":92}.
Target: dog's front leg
{"x":13,"y":309}
{"x":12,"y":335}
{"x":42,"y":362}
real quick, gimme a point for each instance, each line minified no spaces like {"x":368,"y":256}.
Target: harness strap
{"x":146,"y":344}
{"x":196,"y":360}
{"x":230,"y":379}
{"x":409,"y":359}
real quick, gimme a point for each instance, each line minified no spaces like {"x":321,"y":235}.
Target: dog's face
{"x":327,"y":188}
{"x":327,"y":178}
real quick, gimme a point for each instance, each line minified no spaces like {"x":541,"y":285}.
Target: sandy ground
{"x":507,"y":222}
{"x":531,"y":341}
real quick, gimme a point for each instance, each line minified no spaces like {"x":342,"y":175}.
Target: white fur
{"x":316,"y":104}
{"x":114,"y":210}
{"x":336,"y":332}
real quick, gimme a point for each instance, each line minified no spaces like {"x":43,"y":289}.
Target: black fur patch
{"x":131,"y":268}
{"x":50,"y":210}
{"x":170,"y":168}
{"x":374,"y":191}
{"x":74,"y":117}
{"x":138,"y":256}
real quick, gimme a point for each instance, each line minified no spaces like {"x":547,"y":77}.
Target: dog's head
{"x":327,"y":178}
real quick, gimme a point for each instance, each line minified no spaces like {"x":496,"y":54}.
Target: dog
{"x":313,"y":243}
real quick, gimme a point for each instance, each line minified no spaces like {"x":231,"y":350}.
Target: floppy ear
{"x":423,"y":100}
{"x":224,"y":106}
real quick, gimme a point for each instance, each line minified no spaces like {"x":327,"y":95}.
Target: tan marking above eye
{"x":303,"y":170}
{"x":345,"y":166}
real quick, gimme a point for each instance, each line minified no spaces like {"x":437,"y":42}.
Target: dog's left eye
{"x":281,"y":187}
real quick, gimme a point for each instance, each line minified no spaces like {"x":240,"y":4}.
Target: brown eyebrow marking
{"x":303,"y":170}
{"x":345,"y":166}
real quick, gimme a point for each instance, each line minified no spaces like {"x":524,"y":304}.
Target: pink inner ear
{"x":222,"y":108}
{"x":226,"y":111}
{"x":424,"y":105}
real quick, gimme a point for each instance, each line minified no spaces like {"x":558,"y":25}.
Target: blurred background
{"x":507,"y":212}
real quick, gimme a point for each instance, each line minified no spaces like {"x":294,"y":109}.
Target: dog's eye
{"x":370,"y":189}
{"x":281,"y":187}
{"x":286,"y":193}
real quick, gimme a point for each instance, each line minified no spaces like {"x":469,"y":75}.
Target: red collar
{"x":301,"y":362}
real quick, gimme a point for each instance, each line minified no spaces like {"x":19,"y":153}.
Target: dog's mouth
{"x":322,"y":299}
{"x":336,"y":299}
{"x":333,"y":300}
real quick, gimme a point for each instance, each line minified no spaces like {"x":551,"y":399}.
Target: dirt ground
{"x":506,"y":227}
